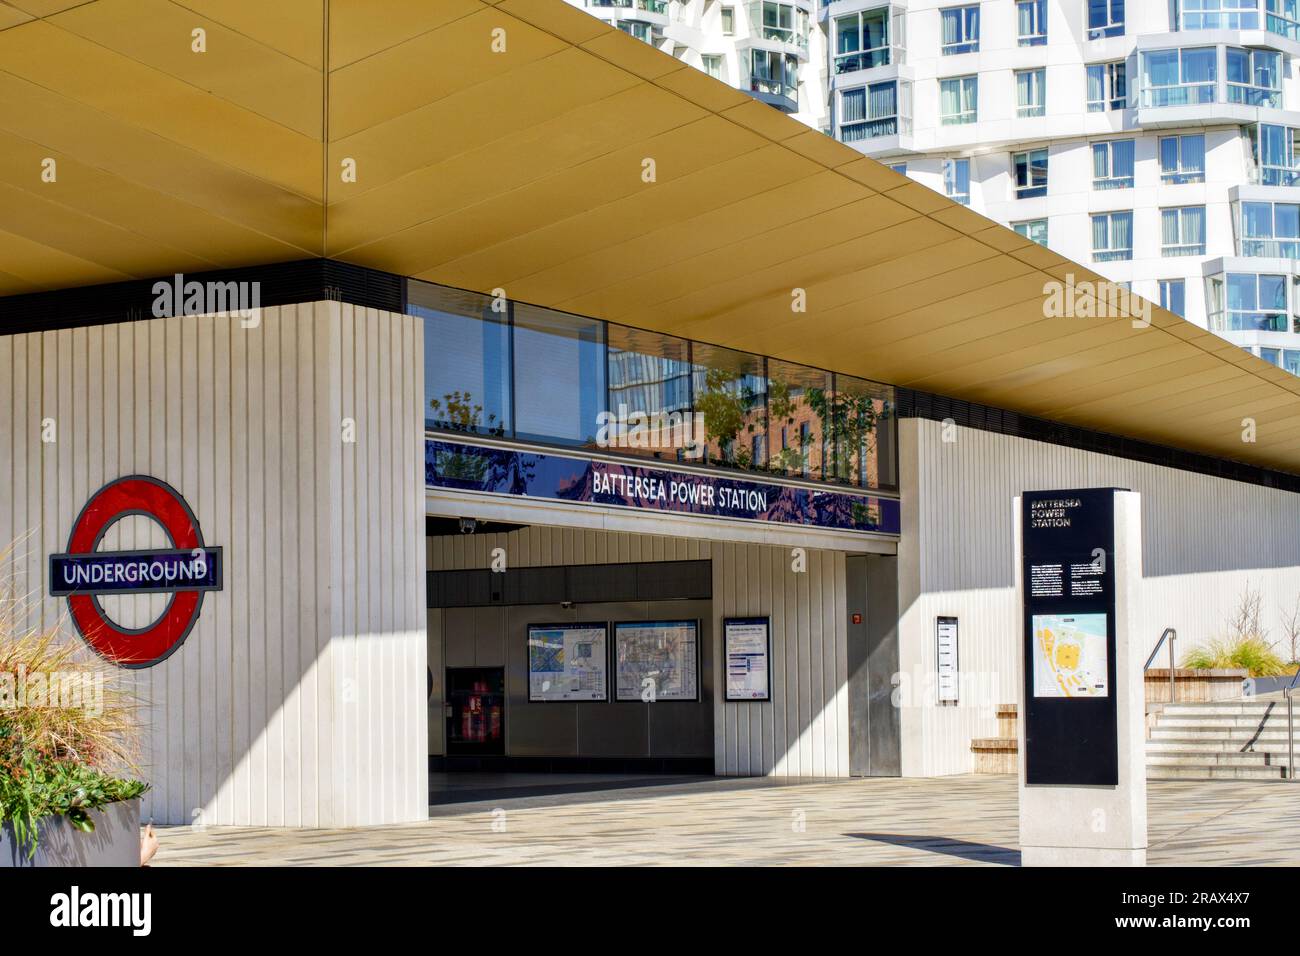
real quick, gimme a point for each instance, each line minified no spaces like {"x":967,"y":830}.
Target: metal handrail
{"x":1290,"y":725}
{"x":1171,"y":635}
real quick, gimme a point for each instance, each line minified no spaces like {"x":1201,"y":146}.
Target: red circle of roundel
{"x":136,"y":494}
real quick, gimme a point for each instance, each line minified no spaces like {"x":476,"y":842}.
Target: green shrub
{"x":68,"y":749}
{"x":1249,"y":653}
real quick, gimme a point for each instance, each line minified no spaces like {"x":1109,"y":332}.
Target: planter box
{"x":115,"y":842}
{"x":1193,"y":686}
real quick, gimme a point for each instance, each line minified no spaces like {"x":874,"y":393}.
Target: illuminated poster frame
{"x":633,"y":691}
{"x":539,"y":692}
{"x":747,"y":648}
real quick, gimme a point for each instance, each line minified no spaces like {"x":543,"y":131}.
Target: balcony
{"x":779,"y":26}
{"x":1207,"y":85}
{"x":1250,"y":300}
{"x":776,"y":93}
{"x":867,"y":39}
{"x":875,"y":118}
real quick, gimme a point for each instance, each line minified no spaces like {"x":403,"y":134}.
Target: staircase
{"x":1229,"y":739}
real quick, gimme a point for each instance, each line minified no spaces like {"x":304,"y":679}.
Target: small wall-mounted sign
{"x":949,"y":663}
{"x":748,"y":643}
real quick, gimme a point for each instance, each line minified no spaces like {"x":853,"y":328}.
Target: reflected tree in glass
{"x":856,"y":414}
{"x":730,"y":391}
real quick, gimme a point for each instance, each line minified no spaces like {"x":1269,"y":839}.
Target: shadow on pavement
{"x":980,"y":852}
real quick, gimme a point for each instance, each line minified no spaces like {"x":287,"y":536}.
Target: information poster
{"x":1068,"y":570}
{"x":1070,"y":658}
{"x":657,"y":660}
{"x":749,"y":653}
{"x":946,"y":652}
{"x":568,"y":662}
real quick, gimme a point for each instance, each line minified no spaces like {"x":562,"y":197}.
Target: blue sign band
{"x":136,"y":572}
{"x":593,"y":481}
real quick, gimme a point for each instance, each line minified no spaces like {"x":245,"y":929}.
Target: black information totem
{"x":1068,"y":563}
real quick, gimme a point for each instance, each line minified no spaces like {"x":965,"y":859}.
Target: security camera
{"x":567,"y":605}
{"x":468,"y":525}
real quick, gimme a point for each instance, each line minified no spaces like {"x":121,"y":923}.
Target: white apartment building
{"x":1153,"y":139}
{"x":768,"y":48}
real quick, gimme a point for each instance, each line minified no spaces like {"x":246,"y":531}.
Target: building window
{"x":958,"y":100}
{"x":1246,"y":302}
{"x":1286,"y":359}
{"x":1173,"y":296}
{"x":1031,"y":18}
{"x":1218,"y":15}
{"x":1031,"y":92}
{"x":466,"y":361}
{"x":782,"y":22}
{"x":1255,"y":77}
{"x":775,"y":73}
{"x":560,"y":386}
{"x":1105,"y":18}
{"x":712,"y":65}
{"x":1107,"y":87}
{"x":1182,"y":159}
{"x":1270,"y":230}
{"x":956,"y":180}
{"x":1112,"y":236}
{"x":728,"y":21}
{"x":650,"y":379}
{"x":872,"y":111}
{"x":961,"y":29}
{"x":1112,"y":164}
{"x":1035,"y":230}
{"x":1284,"y":18}
{"x":1179,"y":77}
{"x":1182,"y":231}
{"x":867,"y":39}
{"x":1030,"y":170}
{"x":642,"y":31}
{"x":1273,"y":151}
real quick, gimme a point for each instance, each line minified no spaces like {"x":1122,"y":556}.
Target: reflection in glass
{"x":796,"y":438}
{"x":559,"y":376}
{"x":466,"y":360}
{"x":649,"y":395}
{"x":731,"y":400}
{"x":860,"y":416}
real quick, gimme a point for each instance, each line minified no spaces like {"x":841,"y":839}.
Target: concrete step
{"x":1219,"y":733}
{"x":1203,"y":759}
{"x":1201,"y":745}
{"x":1223,"y":720}
{"x":1210,"y":772}
{"x":1240,"y":707}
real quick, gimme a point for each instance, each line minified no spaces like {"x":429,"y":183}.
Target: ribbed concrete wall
{"x":803,"y":731}
{"x":1204,"y":541}
{"x":297,"y":698}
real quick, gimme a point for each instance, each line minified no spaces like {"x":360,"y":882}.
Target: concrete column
{"x":1064,"y":825}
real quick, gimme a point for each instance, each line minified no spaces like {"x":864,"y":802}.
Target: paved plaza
{"x":951,"y":821}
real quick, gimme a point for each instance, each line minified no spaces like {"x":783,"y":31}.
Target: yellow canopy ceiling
{"x":524,"y":169}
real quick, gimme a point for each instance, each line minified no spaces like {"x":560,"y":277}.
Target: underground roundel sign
{"x":183,"y":571}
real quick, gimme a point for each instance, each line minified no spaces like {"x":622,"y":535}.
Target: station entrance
{"x":599,"y":655}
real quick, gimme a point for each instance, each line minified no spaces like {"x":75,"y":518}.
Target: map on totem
{"x":1070,"y":657}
